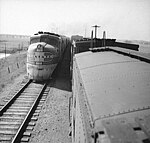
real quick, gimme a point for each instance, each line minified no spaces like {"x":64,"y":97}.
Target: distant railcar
{"x":111,"y":96}
{"x":44,"y":53}
{"x":84,"y":44}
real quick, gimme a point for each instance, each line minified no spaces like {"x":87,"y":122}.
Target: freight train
{"x":44,"y":53}
{"x":111,"y":96}
{"x":85,"y":44}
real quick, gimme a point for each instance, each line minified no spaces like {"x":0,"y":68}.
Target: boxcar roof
{"x":114,"y":83}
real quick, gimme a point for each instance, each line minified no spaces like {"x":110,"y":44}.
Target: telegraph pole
{"x":5,"y":50}
{"x":96,"y":26}
{"x":92,"y":39}
{"x":104,"y":39}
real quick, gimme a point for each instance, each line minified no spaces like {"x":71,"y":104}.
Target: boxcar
{"x":111,"y":97}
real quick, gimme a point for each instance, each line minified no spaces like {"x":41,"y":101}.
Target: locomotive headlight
{"x":39,"y":47}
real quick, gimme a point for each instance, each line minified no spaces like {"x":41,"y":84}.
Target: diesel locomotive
{"x":44,"y":53}
{"x":111,"y":96}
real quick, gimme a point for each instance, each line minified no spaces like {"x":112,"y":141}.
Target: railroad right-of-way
{"x":53,"y":122}
{"x":19,"y":111}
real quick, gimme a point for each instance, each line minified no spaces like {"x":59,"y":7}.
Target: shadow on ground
{"x":62,"y":73}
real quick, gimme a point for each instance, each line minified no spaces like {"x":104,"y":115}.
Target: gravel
{"x":53,"y":122}
{"x":52,"y":125}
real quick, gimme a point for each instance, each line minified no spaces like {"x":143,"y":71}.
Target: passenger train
{"x":111,"y":95}
{"x":44,"y":53}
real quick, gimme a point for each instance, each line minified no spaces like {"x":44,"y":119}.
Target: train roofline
{"x":39,"y":35}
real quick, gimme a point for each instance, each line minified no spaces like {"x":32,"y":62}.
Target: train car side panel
{"x":82,"y":118}
{"x":78,"y":125}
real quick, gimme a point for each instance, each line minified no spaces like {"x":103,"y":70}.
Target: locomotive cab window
{"x":45,"y":39}
{"x":50,"y":41}
{"x":34,"y":40}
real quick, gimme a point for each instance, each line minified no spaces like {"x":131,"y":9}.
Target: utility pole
{"x":96,"y":26}
{"x":22,"y":46}
{"x":104,"y":39}
{"x":92,"y":39}
{"x":5,"y":50}
{"x":19,"y":47}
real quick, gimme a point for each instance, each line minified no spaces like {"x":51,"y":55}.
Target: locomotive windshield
{"x":34,"y":40}
{"x":50,"y":40}
{"x":47,"y":39}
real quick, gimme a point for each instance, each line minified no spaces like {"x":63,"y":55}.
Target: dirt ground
{"x":11,"y":67}
{"x":52,"y":125}
{"x":53,"y":122}
{"x":9,"y":82}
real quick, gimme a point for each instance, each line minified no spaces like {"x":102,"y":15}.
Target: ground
{"x":11,"y":68}
{"x":9,"y":82}
{"x":53,"y":122}
{"x":52,"y":125}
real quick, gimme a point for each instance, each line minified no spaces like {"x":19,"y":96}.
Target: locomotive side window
{"x":34,"y":40}
{"x":53,"y":42}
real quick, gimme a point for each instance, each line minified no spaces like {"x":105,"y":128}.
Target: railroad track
{"x":17,"y":114}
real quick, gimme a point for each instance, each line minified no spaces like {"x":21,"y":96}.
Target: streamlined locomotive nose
{"x":44,"y":53}
{"x":41,"y":61}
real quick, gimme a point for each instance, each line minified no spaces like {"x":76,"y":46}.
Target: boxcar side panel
{"x":82,"y":128}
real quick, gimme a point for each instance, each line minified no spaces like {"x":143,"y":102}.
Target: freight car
{"x":44,"y":53}
{"x":111,"y":96}
{"x":84,"y":45}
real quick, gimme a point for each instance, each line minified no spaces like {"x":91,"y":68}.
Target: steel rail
{"x":18,"y":136}
{"x":9,"y":103}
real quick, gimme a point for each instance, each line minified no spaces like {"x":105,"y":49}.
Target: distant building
{"x":76,"y":37}
{"x":13,"y":37}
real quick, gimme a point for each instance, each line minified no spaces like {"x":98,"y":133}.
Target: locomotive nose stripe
{"x":45,"y":62}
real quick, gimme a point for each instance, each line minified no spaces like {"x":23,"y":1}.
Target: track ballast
{"x":16,"y":114}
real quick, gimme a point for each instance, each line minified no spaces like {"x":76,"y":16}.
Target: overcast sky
{"x":121,"y":19}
